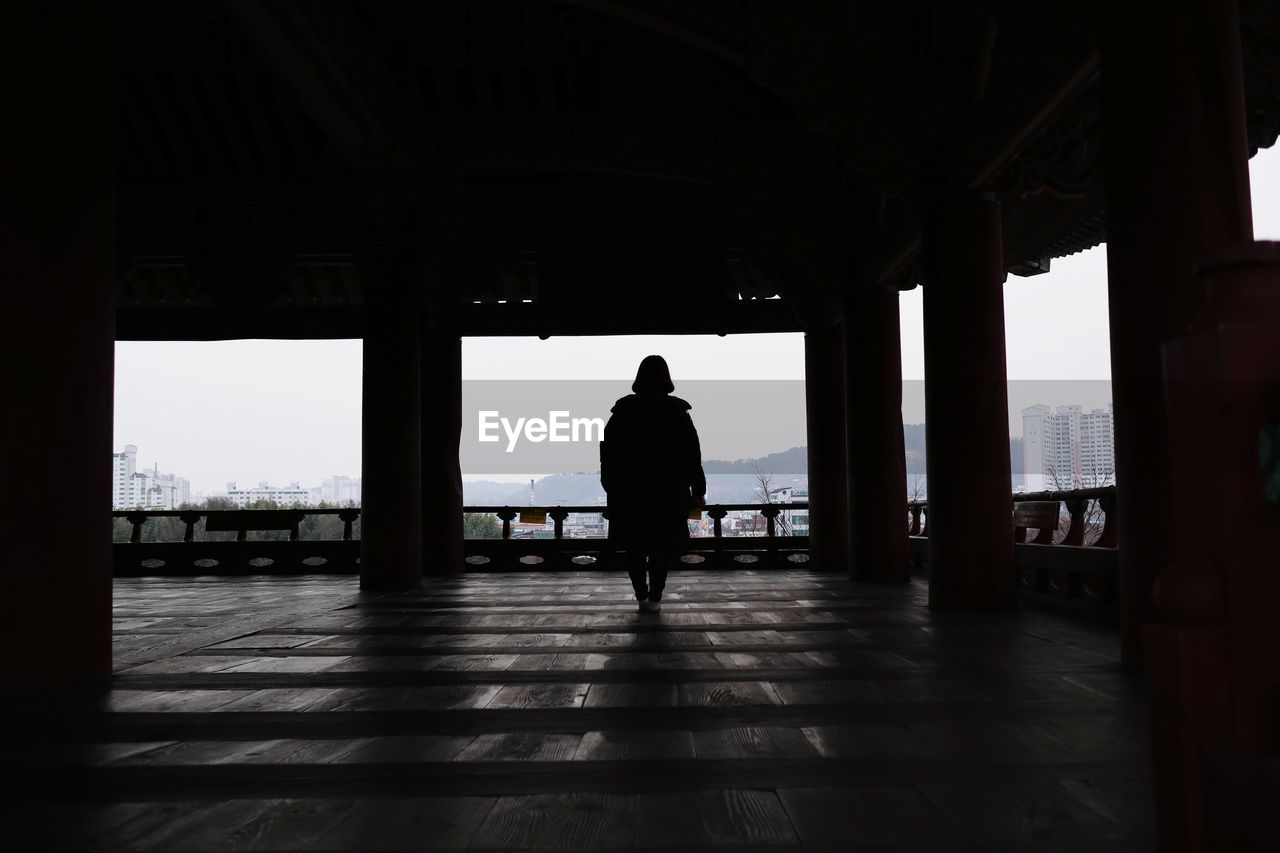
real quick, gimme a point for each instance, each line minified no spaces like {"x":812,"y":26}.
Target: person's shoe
{"x":642,"y":604}
{"x":651,"y":606}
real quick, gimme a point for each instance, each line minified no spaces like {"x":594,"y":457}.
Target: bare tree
{"x":764,"y":489}
{"x":1093,"y":514}
{"x":916,"y":491}
{"x":1094,"y":517}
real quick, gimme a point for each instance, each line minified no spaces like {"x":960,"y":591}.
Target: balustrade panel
{"x":1072,"y":563}
{"x":1070,"y":560}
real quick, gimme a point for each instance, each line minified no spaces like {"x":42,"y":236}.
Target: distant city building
{"x":124,"y":466}
{"x":289,"y":495}
{"x":1067,"y":447}
{"x":797,"y":519}
{"x":340,"y":491}
{"x":1098,"y":447}
{"x":134,"y":489}
{"x":586,"y":525}
{"x":165,"y":491}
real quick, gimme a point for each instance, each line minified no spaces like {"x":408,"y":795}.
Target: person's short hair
{"x":653,"y":376}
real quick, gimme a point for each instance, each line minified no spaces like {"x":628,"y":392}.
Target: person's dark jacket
{"x":651,"y":470}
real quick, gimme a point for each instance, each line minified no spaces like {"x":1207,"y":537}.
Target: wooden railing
{"x":204,"y":554}
{"x":769,"y":548}
{"x":1071,"y":561}
{"x":1055,"y":567}
{"x":220,"y":554}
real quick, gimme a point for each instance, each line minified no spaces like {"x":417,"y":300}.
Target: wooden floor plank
{"x":437,"y":823}
{"x":415,"y":749}
{"x":752,"y":742}
{"x":862,"y":692}
{"x":1021,"y":812}
{"x":622,"y":745}
{"x":868,"y":741}
{"x":761,"y":709}
{"x":713,"y":818}
{"x":448,"y":697}
{"x":521,"y":746}
{"x":631,"y":696}
{"x":281,"y":699}
{"x":868,"y":814}
{"x":568,"y":821}
{"x":728,"y":693}
{"x":540,"y":696}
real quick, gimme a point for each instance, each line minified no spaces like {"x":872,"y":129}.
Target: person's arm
{"x":697,"y":479}
{"x":606,"y":459}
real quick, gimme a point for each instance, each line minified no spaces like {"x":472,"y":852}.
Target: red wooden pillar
{"x":442,"y":545}
{"x":1188,"y":435}
{"x":1213,"y":643}
{"x":391,"y":491}
{"x":824,"y":385}
{"x":58,"y":327}
{"x":1177,"y":185}
{"x":878,"y":545}
{"x":966,"y":408}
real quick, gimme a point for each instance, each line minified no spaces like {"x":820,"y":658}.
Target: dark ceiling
{"x":578,"y":153}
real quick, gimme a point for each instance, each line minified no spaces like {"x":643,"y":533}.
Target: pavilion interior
{"x":410,"y":173}
{"x":511,"y":711}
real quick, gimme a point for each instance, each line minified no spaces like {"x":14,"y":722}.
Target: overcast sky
{"x":290,"y":410}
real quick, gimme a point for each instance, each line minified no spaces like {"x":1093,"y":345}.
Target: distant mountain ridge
{"x":793,"y":461}
{"x":728,"y":481}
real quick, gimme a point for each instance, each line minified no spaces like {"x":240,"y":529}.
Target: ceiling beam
{"x":212,"y":323}
{"x":1004,"y":154}
{"x":361,"y":121}
{"x":683,"y":31}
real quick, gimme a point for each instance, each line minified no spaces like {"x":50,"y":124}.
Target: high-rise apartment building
{"x":340,"y":491}
{"x":123,"y":467}
{"x":1098,"y":447}
{"x":1067,"y":447}
{"x":134,"y":489}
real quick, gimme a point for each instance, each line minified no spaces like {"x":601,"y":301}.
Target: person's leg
{"x":659,"y":564}
{"x":635,"y":568}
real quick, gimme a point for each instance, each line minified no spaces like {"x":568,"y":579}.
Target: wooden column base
{"x":1188,"y":687}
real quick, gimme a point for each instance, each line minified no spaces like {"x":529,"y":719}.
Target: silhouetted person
{"x":651,"y":470}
